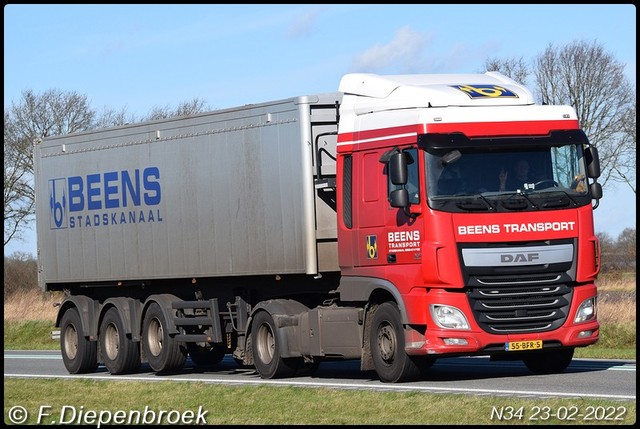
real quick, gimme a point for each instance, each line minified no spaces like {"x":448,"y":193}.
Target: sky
{"x":141,"y":57}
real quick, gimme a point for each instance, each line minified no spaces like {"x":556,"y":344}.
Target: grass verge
{"x":84,"y":401}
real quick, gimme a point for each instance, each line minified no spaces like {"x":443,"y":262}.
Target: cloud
{"x":404,"y":51}
{"x":304,"y":23}
{"x":414,"y":52}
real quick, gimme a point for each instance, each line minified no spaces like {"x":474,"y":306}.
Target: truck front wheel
{"x":391,"y":362}
{"x":162,"y":351}
{"x":120,"y":354}
{"x":80,"y":355}
{"x":267,"y":349}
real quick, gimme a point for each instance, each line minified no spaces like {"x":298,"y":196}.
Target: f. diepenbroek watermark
{"x":73,"y":415}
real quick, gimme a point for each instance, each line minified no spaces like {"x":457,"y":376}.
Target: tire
{"x":80,"y":355}
{"x":391,"y":362}
{"x":162,"y":351}
{"x":206,"y":355}
{"x":267,"y":349}
{"x":119,"y":353}
{"x":549,"y":362}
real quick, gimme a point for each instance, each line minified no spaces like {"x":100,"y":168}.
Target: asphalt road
{"x":584,"y":378}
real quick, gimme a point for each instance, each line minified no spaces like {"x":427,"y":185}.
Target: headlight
{"x":448,"y":317}
{"x":586,"y":311}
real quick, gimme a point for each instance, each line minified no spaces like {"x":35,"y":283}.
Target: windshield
{"x":485,"y":177}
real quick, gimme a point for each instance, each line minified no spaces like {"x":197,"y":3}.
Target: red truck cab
{"x":479,"y":268}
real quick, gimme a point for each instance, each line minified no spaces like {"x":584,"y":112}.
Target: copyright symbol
{"x":18,"y":414}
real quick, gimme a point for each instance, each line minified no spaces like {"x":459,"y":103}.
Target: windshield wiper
{"x":517,"y":201}
{"x":556,"y":198}
{"x":524,"y":194}
{"x":475,"y":202}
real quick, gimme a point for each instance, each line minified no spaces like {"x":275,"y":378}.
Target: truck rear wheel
{"x":162,"y":351}
{"x":80,"y":355}
{"x":120,"y":354}
{"x":267,"y":349}
{"x":549,"y":361}
{"x":391,"y":362}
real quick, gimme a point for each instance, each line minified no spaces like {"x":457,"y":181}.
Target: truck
{"x":365,"y":224}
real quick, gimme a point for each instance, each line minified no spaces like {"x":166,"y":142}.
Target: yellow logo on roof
{"x":483,"y":91}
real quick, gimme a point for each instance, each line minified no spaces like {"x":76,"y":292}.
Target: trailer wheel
{"x":266,"y":349}
{"x":549,"y":361}
{"x":207,"y":355}
{"x":162,"y":351}
{"x":80,"y":355}
{"x":391,"y":362}
{"x":120,"y":354}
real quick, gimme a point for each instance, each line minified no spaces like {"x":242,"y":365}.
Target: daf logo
{"x":519,"y":257}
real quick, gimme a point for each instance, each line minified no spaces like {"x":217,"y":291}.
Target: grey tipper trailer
{"x":226,"y":193}
{"x":183,"y":226}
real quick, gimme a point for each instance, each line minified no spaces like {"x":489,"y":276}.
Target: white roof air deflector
{"x":370,"y":92}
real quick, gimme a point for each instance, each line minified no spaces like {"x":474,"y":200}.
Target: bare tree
{"x":627,"y":164}
{"x":515,"y":68}
{"x":583,"y":75}
{"x":112,"y":118}
{"x":18,"y":170}
{"x":37,"y":116}
{"x":20,"y":273}
{"x":627,"y":243}
{"x":53,"y":112}
{"x":618,"y":255}
{"x":192,"y":107}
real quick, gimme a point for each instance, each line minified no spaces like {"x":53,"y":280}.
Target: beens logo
{"x":114,"y":197}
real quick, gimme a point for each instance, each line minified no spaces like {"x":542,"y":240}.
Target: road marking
{"x":58,"y":357}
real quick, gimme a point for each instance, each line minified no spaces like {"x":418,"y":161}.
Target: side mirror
{"x":399,"y":198}
{"x":593,"y":162}
{"x":398,"y":168}
{"x":596,"y":190}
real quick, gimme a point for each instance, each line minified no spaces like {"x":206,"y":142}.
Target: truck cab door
{"x":404,"y":225}
{"x":370,"y":209}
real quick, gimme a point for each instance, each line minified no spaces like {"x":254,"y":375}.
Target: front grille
{"x":520,"y":309}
